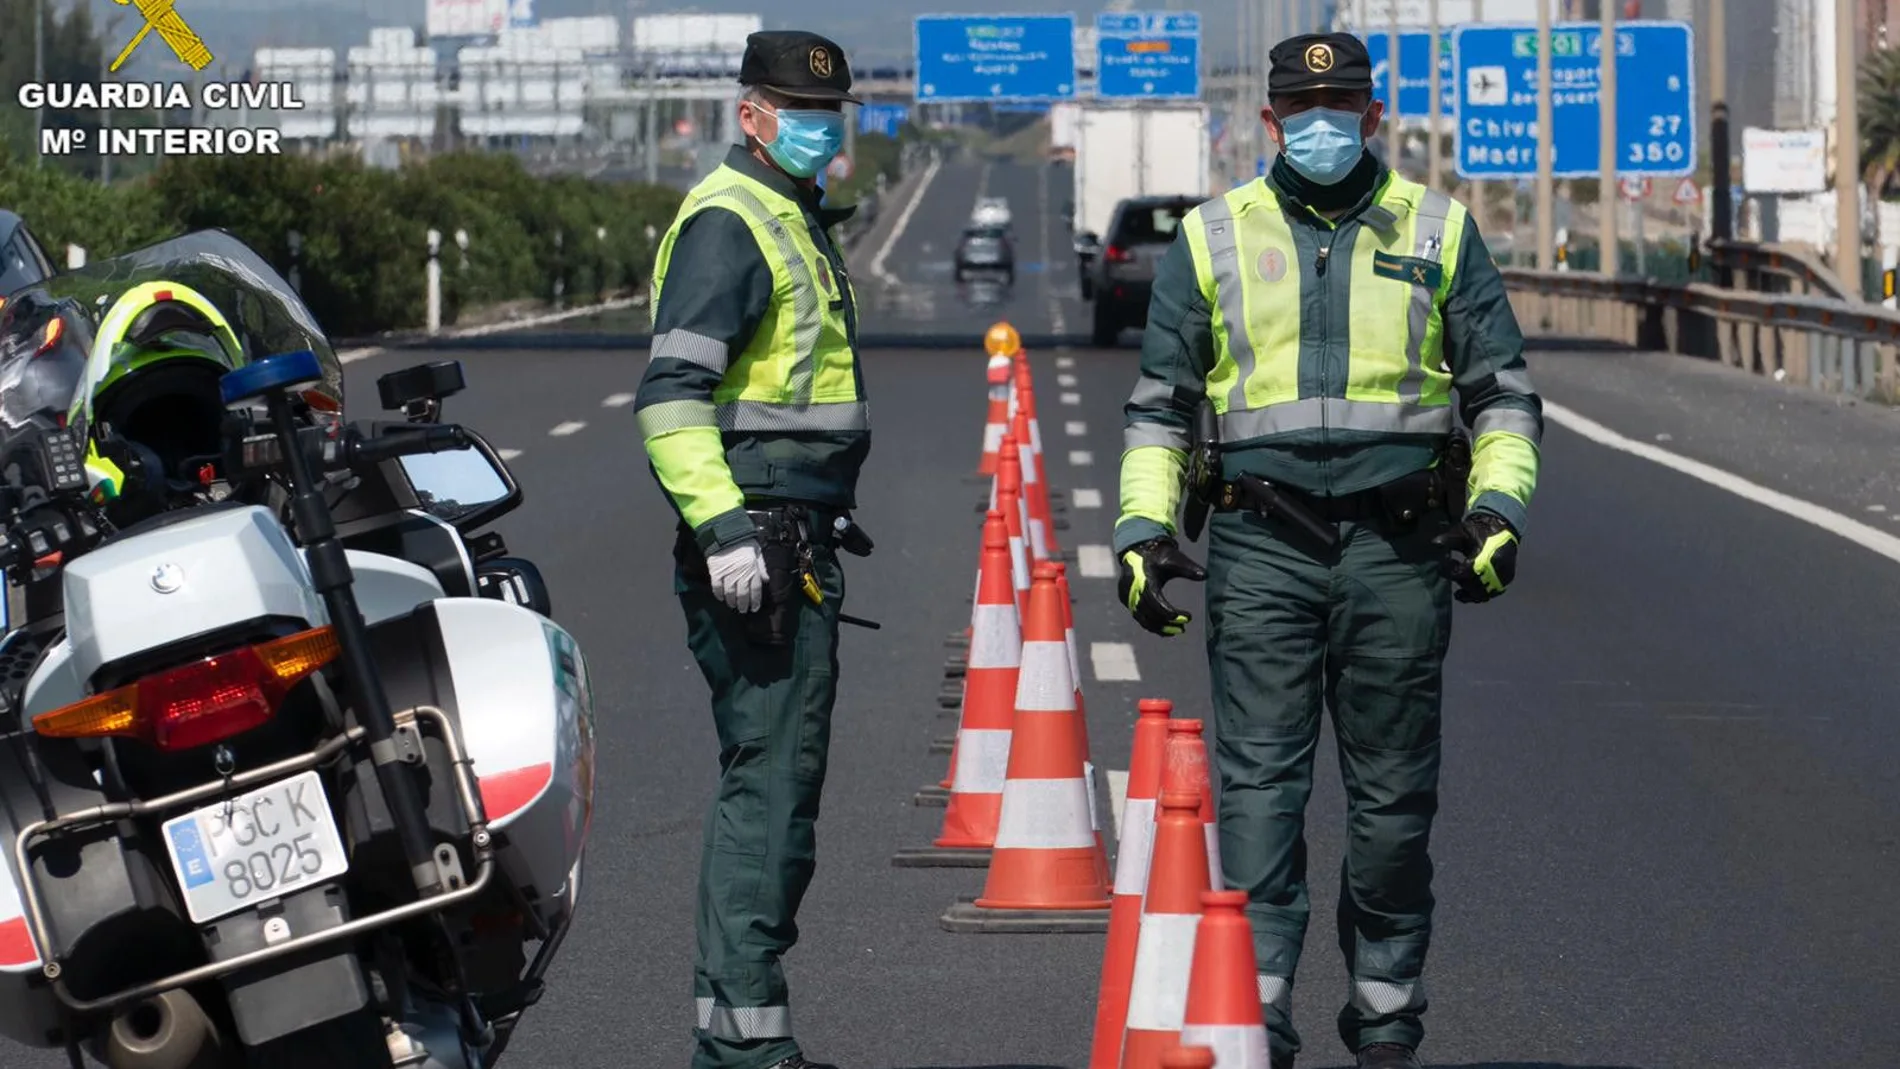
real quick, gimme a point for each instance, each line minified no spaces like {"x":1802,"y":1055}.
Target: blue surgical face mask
{"x":806,"y":141}
{"x":1323,"y":143}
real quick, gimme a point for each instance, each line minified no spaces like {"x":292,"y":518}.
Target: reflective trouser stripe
{"x":1428,"y":236}
{"x":1385,"y":996}
{"x":1275,"y":991}
{"x":1230,"y":291}
{"x":1334,"y":413}
{"x":744,"y":1022}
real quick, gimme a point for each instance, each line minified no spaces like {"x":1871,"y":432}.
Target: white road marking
{"x":1114,"y":662}
{"x":1086,"y":498}
{"x":1117,"y":796}
{"x":1065,"y":380}
{"x":562,"y":430}
{"x":1075,"y":428}
{"x":508,"y":454}
{"x":1071,"y":398}
{"x":351,"y":356}
{"x":903,"y":221}
{"x":616,"y":400}
{"x":1065,"y":361}
{"x":1826,"y":519}
{"x":1095,"y":562}
{"x":1081,"y":458}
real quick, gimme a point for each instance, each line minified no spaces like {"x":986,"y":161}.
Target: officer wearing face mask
{"x":1312,"y":326}
{"x":753,"y":413}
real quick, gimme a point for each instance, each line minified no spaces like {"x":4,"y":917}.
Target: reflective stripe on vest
{"x":1251,"y":274}
{"x":808,"y":383}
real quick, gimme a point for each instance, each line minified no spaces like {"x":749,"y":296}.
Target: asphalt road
{"x":1670,"y":790}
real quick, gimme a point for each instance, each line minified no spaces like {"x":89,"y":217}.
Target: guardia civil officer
{"x":754,"y":418}
{"x":1325,"y":313}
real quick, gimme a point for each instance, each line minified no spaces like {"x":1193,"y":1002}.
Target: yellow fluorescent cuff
{"x":691,"y":463}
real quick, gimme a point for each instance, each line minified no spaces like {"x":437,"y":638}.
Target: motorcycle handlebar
{"x":363,"y":452}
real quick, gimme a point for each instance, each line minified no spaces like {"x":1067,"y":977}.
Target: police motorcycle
{"x":295,"y":770}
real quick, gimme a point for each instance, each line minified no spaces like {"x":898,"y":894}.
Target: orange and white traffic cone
{"x":1046,"y":870}
{"x":1188,"y":749}
{"x":1009,"y":502}
{"x":1223,"y":1001}
{"x":979,"y":764}
{"x":1033,"y":497}
{"x":1081,"y":712}
{"x":1131,"y":881}
{"x":1045,"y":494}
{"x":1003,"y":344}
{"x":1188,"y":1058}
{"x":1170,"y":914}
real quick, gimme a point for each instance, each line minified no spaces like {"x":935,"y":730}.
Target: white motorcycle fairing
{"x":514,"y":681}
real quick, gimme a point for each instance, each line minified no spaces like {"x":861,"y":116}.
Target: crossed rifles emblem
{"x":160,"y":15}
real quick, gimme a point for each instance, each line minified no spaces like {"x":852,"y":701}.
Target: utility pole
{"x":1546,"y":254}
{"x":1609,"y":200}
{"x":1721,"y":203}
{"x":1392,"y":147}
{"x":1478,"y":190}
{"x":39,"y":75}
{"x":1431,"y":113}
{"x":1846,"y":151}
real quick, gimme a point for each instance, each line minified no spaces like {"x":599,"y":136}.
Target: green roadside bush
{"x":364,"y":244}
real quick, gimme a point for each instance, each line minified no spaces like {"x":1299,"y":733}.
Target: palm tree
{"x":1879,"y":124}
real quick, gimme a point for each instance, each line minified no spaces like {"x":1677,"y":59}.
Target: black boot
{"x":1280,"y":1061}
{"x":1388,"y":1056}
{"x":799,"y":1061}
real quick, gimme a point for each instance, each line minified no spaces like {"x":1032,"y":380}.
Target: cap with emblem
{"x":796,"y":64}
{"x":1319,"y":61}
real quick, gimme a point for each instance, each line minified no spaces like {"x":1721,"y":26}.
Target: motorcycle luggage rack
{"x":469,"y":795}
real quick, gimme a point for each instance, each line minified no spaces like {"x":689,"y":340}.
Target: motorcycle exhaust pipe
{"x":168,"y":1031}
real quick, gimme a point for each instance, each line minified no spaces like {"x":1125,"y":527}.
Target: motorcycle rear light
{"x":199,"y":703}
{"x":50,"y":334}
{"x":1118,"y":255}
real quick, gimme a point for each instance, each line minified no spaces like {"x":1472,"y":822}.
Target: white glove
{"x":738,"y":575}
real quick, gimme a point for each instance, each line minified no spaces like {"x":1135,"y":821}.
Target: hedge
{"x":364,"y":247}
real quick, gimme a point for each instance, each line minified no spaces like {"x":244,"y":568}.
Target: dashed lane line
{"x":1071,"y":398}
{"x":1086,"y":498}
{"x":1095,"y":561}
{"x":1065,"y":380}
{"x":1081,"y":458}
{"x":616,"y":400}
{"x":1075,"y":428}
{"x":562,"y":430}
{"x":1114,"y":662}
{"x":508,"y":454}
{"x":1065,"y":361}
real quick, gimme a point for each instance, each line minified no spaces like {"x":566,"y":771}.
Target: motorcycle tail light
{"x":195,"y":704}
{"x":50,"y":334}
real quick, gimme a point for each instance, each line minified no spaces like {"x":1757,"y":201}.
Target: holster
{"x":1203,"y":472}
{"x":786,"y":546}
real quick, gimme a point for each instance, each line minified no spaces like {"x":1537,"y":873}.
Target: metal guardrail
{"x":1833,"y":345}
{"x":1786,"y":261}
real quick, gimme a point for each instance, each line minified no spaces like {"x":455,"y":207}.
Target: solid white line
{"x":1081,"y":458}
{"x":1071,"y":398}
{"x":1086,"y":498}
{"x":616,"y":400}
{"x":903,"y":220}
{"x":1114,"y":662}
{"x":1065,"y":380}
{"x":1075,"y":428}
{"x":351,"y":356}
{"x":1826,"y":519}
{"x":1095,"y":562}
{"x":508,"y":454}
{"x":1065,"y":361}
{"x":564,"y":429}
{"x":1117,"y":796}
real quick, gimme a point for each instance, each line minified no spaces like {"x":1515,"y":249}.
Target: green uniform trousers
{"x":772,"y":709}
{"x":1361,"y":628}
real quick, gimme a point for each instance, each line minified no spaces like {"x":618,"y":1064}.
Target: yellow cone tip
{"x":1002,"y":340}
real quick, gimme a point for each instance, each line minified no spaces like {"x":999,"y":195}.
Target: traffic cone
{"x":1170,"y":914}
{"x":1223,"y":999}
{"x":1045,"y":872}
{"x":1188,"y":1058}
{"x":1044,"y":493}
{"x":981,"y":759}
{"x":1188,"y":749}
{"x":1081,"y":713}
{"x":939,"y":794}
{"x":1033,"y":499}
{"x":997,"y":423}
{"x":1009,"y":484}
{"x":1131,"y":881}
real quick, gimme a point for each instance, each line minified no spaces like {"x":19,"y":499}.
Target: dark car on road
{"x":1118,"y":275}
{"x":986,"y":249}
{"x":22,"y":261}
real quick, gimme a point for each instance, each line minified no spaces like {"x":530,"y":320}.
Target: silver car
{"x":986,"y":249}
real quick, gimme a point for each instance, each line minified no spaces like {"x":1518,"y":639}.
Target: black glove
{"x":1146,"y":568}
{"x":1481,"y":556}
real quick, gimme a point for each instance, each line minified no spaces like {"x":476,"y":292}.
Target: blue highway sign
{"x":883,"y":119}
{"x":967,"y":58}
{"x":1415,"y":78}
{"x":1496,"y":70}
{"x":1148,"y":55}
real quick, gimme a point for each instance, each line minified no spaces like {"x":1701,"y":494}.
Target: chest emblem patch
{"x":824,"y":276}
{"x":1270,"y":265}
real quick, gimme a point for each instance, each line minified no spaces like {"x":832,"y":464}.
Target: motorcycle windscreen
{"x":45,"y":341}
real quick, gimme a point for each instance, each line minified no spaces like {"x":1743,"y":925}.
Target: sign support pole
{"x":1546,"y":143}
{"x":1722,"y":207}
{"x":1609,"y":242}
{"x":1846,"y":151}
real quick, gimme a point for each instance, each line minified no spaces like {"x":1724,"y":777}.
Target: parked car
{"x":991,"y":211}
{"x":1119,"y":274}
{"x":986,"y":249}
{"x":22,"y":261}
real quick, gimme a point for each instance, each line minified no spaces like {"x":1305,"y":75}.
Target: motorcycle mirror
{"x":465,"y":487}
{"x":515,"y":581}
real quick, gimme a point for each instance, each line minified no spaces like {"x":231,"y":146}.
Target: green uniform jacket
{"x":719,"y":287}
{"x":1483,"y":350}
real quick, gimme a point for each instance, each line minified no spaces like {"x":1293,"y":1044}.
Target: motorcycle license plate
{"x":250,"y":849}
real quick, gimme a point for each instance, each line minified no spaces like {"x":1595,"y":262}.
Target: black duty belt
{"x":1398,"y":503}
